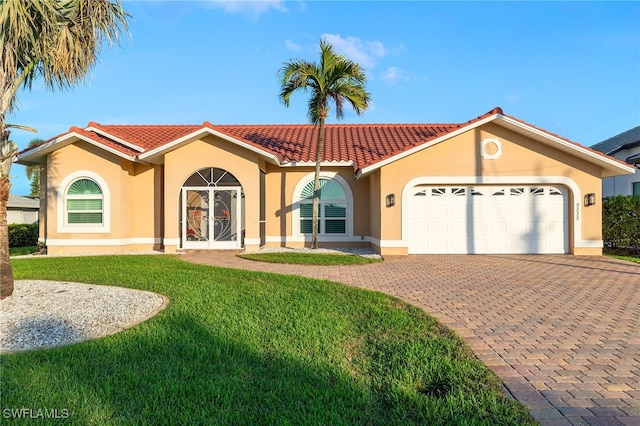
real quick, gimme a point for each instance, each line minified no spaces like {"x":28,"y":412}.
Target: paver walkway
{"x":563,"y":332}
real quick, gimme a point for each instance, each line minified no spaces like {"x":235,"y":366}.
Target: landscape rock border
{"x":43,"y":314}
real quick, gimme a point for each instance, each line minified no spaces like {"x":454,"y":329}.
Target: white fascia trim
{"x":111,"y":242}
{"x":40,"y":148}
{"x":592,"y":155}
{"x":66,"y":138}
{"x":322,"y":164}
{"x":366,"y":170}
{"x":204,"y":131}
{"x":117,"y":139}
{"x":575,"y":209}
{"x":595,"y":156}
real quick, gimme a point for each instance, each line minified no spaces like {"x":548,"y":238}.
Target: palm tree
{"x":33,"y":172}
{"x":58,"y":41}
{"x":336,"y":78}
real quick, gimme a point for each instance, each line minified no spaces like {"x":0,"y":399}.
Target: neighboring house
{"x":22,"y":209}
{"x":494,"y":184}
{"x":625,"y":147}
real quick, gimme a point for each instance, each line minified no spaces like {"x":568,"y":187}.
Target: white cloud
{"x":365,"y":53}
{"x":393,"y":75}
{"x":292,"y":46}
{"x":253,"y":8}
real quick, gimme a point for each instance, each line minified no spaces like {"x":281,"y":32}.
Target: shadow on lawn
{"x":187,"y":376}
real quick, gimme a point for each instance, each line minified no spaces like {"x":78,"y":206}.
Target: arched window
{"x":333,"y":207}
{"x":84,"y":203}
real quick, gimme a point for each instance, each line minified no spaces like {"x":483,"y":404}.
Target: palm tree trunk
{"x":6,"y":274}
{"x":7,"y":153}
{"x":316,"y":186}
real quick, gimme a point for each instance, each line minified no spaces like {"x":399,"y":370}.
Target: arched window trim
{"x":62,"y":196}
{"x":295,"y":216}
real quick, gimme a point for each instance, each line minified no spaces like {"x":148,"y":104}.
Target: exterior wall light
{"x":590,"y":199}
{"x":391,"y":200}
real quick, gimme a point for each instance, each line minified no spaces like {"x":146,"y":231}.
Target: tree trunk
{"x":7,"y":154}
{"x":316,"y":186}
{"x":6,"y":274}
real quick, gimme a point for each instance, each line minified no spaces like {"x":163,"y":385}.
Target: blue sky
{"x":572,"y":68}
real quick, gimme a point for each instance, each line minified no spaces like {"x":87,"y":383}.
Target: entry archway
{"x":212,"y":214}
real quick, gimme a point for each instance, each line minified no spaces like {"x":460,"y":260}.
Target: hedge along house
{"x":494,"y":184}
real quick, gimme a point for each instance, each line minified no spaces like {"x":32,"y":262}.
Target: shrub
{"x":621,"y":221}
{"x":22,"y":235}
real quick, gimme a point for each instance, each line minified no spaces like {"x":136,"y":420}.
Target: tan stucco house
{"x":494,"y":184}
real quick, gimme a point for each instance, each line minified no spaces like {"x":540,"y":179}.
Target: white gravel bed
{"x":42,"y":314}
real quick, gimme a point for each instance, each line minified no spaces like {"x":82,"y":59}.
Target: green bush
{"x":621,"y":221}
{"x":21,"y":235}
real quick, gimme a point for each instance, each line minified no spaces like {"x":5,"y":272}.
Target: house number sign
{"x":577,"y":211}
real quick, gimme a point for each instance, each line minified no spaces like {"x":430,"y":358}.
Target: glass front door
{"x":211,"y":218}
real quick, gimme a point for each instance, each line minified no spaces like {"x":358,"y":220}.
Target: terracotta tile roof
{"x":363,"y":144}
{"x":147,"y":136}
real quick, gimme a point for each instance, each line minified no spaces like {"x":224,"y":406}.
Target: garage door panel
{"x":492,"y":219}
{"x":498,"y":227}
{"x":516,"y":210}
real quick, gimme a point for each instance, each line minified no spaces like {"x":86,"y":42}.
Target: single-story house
{"x":625,"y":147}
{"x":494,"y":184}
{"x":22,"y":210}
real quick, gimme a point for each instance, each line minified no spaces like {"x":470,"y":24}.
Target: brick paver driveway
{"x":563,"y":332}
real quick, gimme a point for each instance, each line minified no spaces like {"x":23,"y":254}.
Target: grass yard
{"x":303,"y":258}
{"x":623,"y":254}
{"x":635,"y":259}
{"x":238,"y":347}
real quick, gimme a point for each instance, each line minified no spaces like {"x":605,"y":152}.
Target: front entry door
{"x":211,"y":218}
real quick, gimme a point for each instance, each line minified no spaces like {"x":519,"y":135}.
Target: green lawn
{"x":304,"y":258}
{"x":622,"y":254}
{"x":635,"y":259}
{"x":238,"y":347}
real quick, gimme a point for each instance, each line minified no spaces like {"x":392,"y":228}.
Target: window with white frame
{"x":332,"y":212}
{"x":84,"y":203}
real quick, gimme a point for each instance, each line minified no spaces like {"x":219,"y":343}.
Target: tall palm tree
{"x":58,"y":41}
{"x":336,"y":78}
{"x":33,"y":172}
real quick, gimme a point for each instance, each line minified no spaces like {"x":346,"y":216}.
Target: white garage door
{"x":488,"y":219}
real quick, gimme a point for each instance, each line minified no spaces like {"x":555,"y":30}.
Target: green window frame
{"x":84,"y":203}
{"x":332,"y":215}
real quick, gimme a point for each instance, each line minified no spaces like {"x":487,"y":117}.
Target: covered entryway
{"x":484,"y":219}
{"x":212,"y":211}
